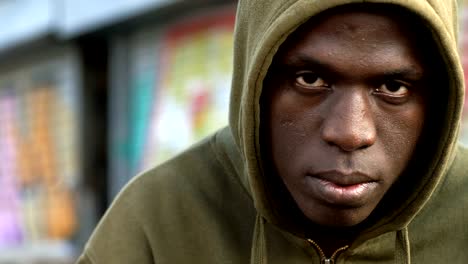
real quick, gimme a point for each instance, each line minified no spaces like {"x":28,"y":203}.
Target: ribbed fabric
{"x":258,"y":255}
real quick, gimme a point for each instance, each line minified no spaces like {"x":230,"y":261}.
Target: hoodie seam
{"x":220,"y":156}
{"x":88,"y":255}
{"x":439,"y":15}
{"x":280,"y":10}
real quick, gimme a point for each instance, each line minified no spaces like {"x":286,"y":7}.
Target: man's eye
{"x":396,"y":89}
{"x":310,"y":80}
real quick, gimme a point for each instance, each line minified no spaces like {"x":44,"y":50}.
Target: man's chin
{"x":338,"y":218}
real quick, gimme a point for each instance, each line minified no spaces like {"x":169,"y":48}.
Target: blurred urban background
{"x":94,"y":92}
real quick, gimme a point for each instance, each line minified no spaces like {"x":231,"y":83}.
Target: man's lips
{"x":343,"y":178}
{"x":351,"y":188}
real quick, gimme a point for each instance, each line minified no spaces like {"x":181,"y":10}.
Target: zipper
{"x":323,"y":258}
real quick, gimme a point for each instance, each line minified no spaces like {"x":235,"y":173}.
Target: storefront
{"x":92,"y":97}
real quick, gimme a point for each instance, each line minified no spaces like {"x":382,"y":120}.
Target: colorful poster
{"x":10,"y":218}
{"x":39,"y":154}
{"x":141,"y":102}
{"x":193,"y":84}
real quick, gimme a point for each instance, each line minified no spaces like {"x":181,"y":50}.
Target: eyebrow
{"x":304,"y":61}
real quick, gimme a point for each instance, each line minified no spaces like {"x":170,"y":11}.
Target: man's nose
{"x":348,"y":121}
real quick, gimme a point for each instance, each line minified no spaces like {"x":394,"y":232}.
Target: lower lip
{"x":350,"y":195}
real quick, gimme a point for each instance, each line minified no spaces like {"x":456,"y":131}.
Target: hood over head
{"x":261,"y":27}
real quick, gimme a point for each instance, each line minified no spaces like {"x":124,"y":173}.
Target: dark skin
{"x":349,"y":96}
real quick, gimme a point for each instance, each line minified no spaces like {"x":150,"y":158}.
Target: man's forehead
{"x":364,"y":22}
{"x":349,"y":19}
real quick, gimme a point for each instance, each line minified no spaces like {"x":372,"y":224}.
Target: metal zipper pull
{"x":324,"y":259}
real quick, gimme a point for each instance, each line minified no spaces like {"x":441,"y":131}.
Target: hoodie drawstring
{"x":402,"y":247}
{"x":259,"y":249}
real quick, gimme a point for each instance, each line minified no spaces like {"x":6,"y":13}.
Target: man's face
{"x":345,"y":105}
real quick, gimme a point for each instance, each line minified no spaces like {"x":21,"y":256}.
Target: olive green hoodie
{"x":211,"y":204}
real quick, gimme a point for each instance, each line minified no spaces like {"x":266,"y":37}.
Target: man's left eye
{"x":396,"y":89}
{"x":308,"y":79}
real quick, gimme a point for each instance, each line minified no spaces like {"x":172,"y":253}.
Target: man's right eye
{"x":310,"y":80}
